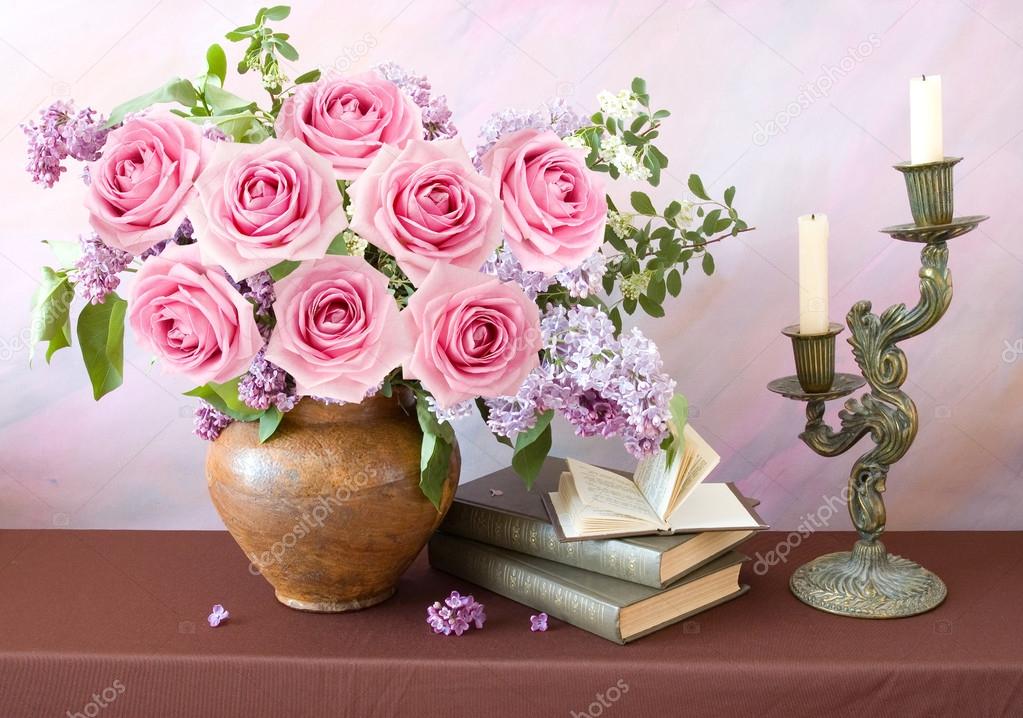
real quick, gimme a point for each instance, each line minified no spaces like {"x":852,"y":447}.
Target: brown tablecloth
{"x":114,"y":624}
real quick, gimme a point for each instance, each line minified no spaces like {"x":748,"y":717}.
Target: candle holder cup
{"x":815,"y":357}
{"x":930,"y":190}
{"x":869,"y":582}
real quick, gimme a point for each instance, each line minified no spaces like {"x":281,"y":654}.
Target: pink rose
{"x":348,"y":119}
{"x":554,"y":207}
{"x":427,"y":204}
{"x":139,"y":186}
{"x":192,"y":318}
{"x":475,"y":336}
{"x":339,"y":331}
{"x":261,"y":204}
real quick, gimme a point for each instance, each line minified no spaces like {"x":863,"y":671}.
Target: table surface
{"x":115,"y":621}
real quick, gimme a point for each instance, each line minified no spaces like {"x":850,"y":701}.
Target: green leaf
{"x":638,"y":86}
{"x":175,"y":90}
{"x":338,"y":245}
{"x":708,"y":264}
{"x":678,"y":407}
{"x":435,"y":457}
{"x":101,"y":335}
{"x":282,"y":269}
{"x":661,"y":114}
{"x":531,"y":448}
{"x":729,"y":196}
{"x":696,"y":187}
{"x":642,"y":204}
{"x":224,"y":397}
{"x":226,"y":103}
{"x":277,"y":12}
{"x":216,"y":63}
{"x":710,"y":221}
{"x":311,"y":76}
{"x":673,"y":283}
{"x":287,"y":50}
{"x":242,"y":126}
{"x":269,"y":421}
{"x":650,"y":306}
{"x":616,"y":319}
{"x":51,"y":310}
{"x":67,"y":253}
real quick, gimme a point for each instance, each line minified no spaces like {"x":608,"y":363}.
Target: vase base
{"x":334,"y":606}
{"x":867,"y":582}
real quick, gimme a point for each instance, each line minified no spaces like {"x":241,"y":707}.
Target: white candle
{"x":813,"y":274}
{"x":925,"y":142}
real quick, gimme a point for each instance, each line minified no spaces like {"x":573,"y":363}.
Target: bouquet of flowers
{"x":340,"y":241}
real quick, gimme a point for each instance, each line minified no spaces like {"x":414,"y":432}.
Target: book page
{"x":657,"y":480}
{"x":700,"y":459}
{"x":606,"y":491}
{"x":711,"y":507}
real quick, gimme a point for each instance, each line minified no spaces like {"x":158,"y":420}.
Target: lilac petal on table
{"x":218,"y":615}
{"x":538,"y":622}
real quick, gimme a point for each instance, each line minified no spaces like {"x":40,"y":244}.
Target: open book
{"x":662,"y":497}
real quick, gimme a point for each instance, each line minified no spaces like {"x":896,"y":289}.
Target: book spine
{"x":502,"y":574}
{"x":609,"y":557}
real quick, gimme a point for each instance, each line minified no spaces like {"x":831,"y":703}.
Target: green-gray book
{"x":617,"y":610}
{"x":497,"y":509}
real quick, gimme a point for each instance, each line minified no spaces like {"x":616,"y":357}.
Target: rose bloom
{"x":475,"y":336}
{"x":554,"y":206}
{"x":427,"y":204}
{"x":192,"y":317}
{"x":348,"y":119}
{"x":339,"y":331}
{"x":139,"y":186}
{"x":261,"y":204}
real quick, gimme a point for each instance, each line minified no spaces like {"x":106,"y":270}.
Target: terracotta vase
{"x":329,"y":509}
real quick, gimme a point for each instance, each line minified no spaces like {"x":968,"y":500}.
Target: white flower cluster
{"x":620,"y":223}
{"x":622,"y":106}
{"x":615,"y":152}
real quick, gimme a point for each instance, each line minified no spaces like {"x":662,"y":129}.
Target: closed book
{"x":617,"y":610}
{"x":498,"y":509}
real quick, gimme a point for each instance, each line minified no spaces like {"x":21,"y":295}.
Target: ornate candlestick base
{"x":867,"y":582}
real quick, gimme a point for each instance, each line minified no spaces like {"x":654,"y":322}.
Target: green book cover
{"x":608,"y":607}
{"x":499,"y":510}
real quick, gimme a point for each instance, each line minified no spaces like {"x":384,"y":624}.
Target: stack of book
{"x":617,"y":556}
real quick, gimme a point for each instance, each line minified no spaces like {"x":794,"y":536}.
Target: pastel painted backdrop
{"x":802,"y":105}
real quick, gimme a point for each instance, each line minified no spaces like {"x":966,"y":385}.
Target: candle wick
{"x":923,"y":77}
{"x":813,"y":216}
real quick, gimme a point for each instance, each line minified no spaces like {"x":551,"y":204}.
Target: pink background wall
{"x":726,"y":70}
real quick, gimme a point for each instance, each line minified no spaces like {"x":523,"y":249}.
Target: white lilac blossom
{"x":554,"y":115}
{"x":622,"y":106}
{"x":266,"y":385}
{"x":603,"y":385}
{"x":614,"y":151}
{"x":61,"y":132}
{"x":436,"y":114}
{"x":209,"y":421}
{"x":456,"y":411}
{"x":95,"y":273}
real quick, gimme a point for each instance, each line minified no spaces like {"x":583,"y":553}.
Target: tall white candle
{"x":925,"y":141}
{"x":813,"y":274}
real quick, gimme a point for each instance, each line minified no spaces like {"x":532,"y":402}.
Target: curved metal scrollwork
{"x":885,"y":412}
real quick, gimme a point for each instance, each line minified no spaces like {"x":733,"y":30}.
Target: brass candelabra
{"x":869,"y":582}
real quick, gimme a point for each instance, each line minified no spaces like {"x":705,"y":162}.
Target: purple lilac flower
{"x":209,"y":422}
{"x":436,"y":115}
{"x":503,"y":265}
{"x":538,"y":622}
{"x":211,"y":132}
{"x":603,"y":385}
{"x":555,"y":115}
{"x":265,"y":384}
{"x":218,"y":615}
{"x":60,"y":133}
{"x":460,"y":410}
{"x":456,"y":615}
{"x":585,"y":279}
{"x":96,"y":271}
